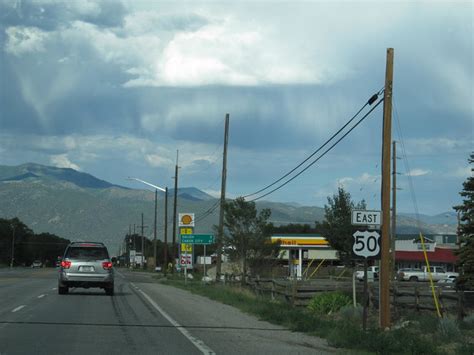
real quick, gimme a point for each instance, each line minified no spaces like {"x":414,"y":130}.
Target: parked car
{"x":36,"y":264}
{"x":86,"y":264}
{"x":437,"y":273}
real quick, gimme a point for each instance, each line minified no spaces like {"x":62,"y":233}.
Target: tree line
{"x":17,"y":240}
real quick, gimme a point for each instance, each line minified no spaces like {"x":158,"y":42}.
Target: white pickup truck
{"x":437,"y":273}
{"x":372,"y":273}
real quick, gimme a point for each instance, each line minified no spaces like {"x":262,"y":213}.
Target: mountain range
{"x":79,"y":206}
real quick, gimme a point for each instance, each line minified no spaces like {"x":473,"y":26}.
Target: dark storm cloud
{"x":49,"y":15}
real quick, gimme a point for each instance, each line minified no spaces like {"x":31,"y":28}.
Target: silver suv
{"x":86,"y":264}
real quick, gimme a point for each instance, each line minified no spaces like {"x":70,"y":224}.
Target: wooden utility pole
{"x":143,"y":245}
{"x":174,"y":210}
{"x":220,"y":234}
{"x":394,"y":207}
{"x":387,"y":138}
{"x":165,"y":252}
{"x":154,"y":230}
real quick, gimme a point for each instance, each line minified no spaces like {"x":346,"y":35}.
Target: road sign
{"x":366,"y":218}
{"x":366,"y":244}
{"x":197,"y":238}
{"x":186,"y":248}
{"x":186,"y":219}
{"x":186,"y":231}
{"x":186,"y":259}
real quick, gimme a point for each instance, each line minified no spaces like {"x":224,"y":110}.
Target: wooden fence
{"x":404,"y":295}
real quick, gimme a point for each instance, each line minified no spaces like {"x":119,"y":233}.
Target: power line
{"x":322,"y":155}
{"x":371,"y":100}
{"x":407,"y":167}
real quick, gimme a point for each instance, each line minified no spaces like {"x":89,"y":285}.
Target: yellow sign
{"x":187,"y":248}
{"x":185,"y":231}
{"x":298,"y":241}
{"x":186,"y":219}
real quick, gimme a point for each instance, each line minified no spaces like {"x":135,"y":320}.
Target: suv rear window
{"x":87,"y":253}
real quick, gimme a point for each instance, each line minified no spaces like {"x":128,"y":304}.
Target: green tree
{"x":466,"y":231}
{"x":337,"y":227}
{"x":247,"y":234}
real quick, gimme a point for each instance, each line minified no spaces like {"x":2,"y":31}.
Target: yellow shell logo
{"x":186,"y":219}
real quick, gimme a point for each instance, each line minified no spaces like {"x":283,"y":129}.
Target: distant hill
{"x":78,"y":206}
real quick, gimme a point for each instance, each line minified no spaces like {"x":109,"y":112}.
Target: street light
{"x":165,"y":190}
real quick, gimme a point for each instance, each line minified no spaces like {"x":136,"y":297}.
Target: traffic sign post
{"x":366,"y":246}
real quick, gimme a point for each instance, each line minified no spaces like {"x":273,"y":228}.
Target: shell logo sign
{"x":186,"y":219}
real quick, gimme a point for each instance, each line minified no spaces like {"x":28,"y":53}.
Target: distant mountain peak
{"x":51,"y":173}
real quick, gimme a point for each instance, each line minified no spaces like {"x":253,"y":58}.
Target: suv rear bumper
{"x":85,"y":280}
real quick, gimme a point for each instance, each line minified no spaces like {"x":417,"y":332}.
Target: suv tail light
{"x":107,"y":265}
{"x":65,"y":264}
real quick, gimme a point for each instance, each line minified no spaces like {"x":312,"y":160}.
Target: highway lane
{"x":143,"y":317}
{"x":34,"y":319}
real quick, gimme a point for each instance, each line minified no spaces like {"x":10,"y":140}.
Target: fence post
{"x":294,"y":291}
{"x":273,"y":289}
{"x":460,"y":304}
{"x":439,"y":292}
{"x":417,"y":299}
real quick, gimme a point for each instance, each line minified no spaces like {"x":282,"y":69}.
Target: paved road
{"x":142,"y":318}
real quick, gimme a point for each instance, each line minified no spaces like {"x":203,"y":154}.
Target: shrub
{"x":449,"y":328}
{"x":328,"y":303}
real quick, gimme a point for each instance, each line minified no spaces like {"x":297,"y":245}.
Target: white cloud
{"x":23,"y":40}
{"x":62,"y":161}
{"x":462,"y":173}
{"x":418,"y":172}
{"x":158,"y":161}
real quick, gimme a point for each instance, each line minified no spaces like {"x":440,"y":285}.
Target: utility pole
{"x":165,"y":256}
{"x":174,"y":210}
{"x":384,"y":307}
{"x":143,"y":246}
{"x":220,"y":234}
{"x":154,"y":230}
{"x":394,"y":206}
{"x":13,"y":247}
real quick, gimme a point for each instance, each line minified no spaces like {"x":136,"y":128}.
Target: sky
{"x":115,"y":88}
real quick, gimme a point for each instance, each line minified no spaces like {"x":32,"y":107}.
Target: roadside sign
{"x":366,"y":244}
{"x":366,"y":218}
{"x":197,"y":238}
{"x":186,"y":220}
{"x":186,"y":260}
{"x":186,"y":248}
{"x":186,"y":231}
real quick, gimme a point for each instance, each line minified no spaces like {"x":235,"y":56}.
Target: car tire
{"x":63,"y":290}
{"x":413,"y":278}
{"x":109,"y":291}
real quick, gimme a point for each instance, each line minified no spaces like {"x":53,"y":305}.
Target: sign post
{"x":366,"y":245}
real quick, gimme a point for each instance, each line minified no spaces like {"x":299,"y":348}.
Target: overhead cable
{"x":371,"y":100}
{"x":322,"y":155}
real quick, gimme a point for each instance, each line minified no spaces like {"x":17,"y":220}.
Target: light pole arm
{"x":147,"y":183}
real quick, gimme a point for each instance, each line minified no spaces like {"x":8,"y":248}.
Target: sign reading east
{"x":366,"y":218}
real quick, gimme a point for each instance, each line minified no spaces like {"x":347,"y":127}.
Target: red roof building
{"x":416,"y":259}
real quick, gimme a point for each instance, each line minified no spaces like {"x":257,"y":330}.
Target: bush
{"x":449,"y":328}
{"x":328,"y":303}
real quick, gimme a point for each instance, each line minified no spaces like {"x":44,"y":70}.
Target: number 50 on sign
{"x":366,"y":244}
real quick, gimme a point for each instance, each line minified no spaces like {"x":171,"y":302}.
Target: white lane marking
{"x":41,"y":296}
{"x":198,"y":343}
{"x":18,"y":308}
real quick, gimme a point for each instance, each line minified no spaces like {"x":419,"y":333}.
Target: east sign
{"x":366,"y":218}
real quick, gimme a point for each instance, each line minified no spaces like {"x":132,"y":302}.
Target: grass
{"x":423,"y":334}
